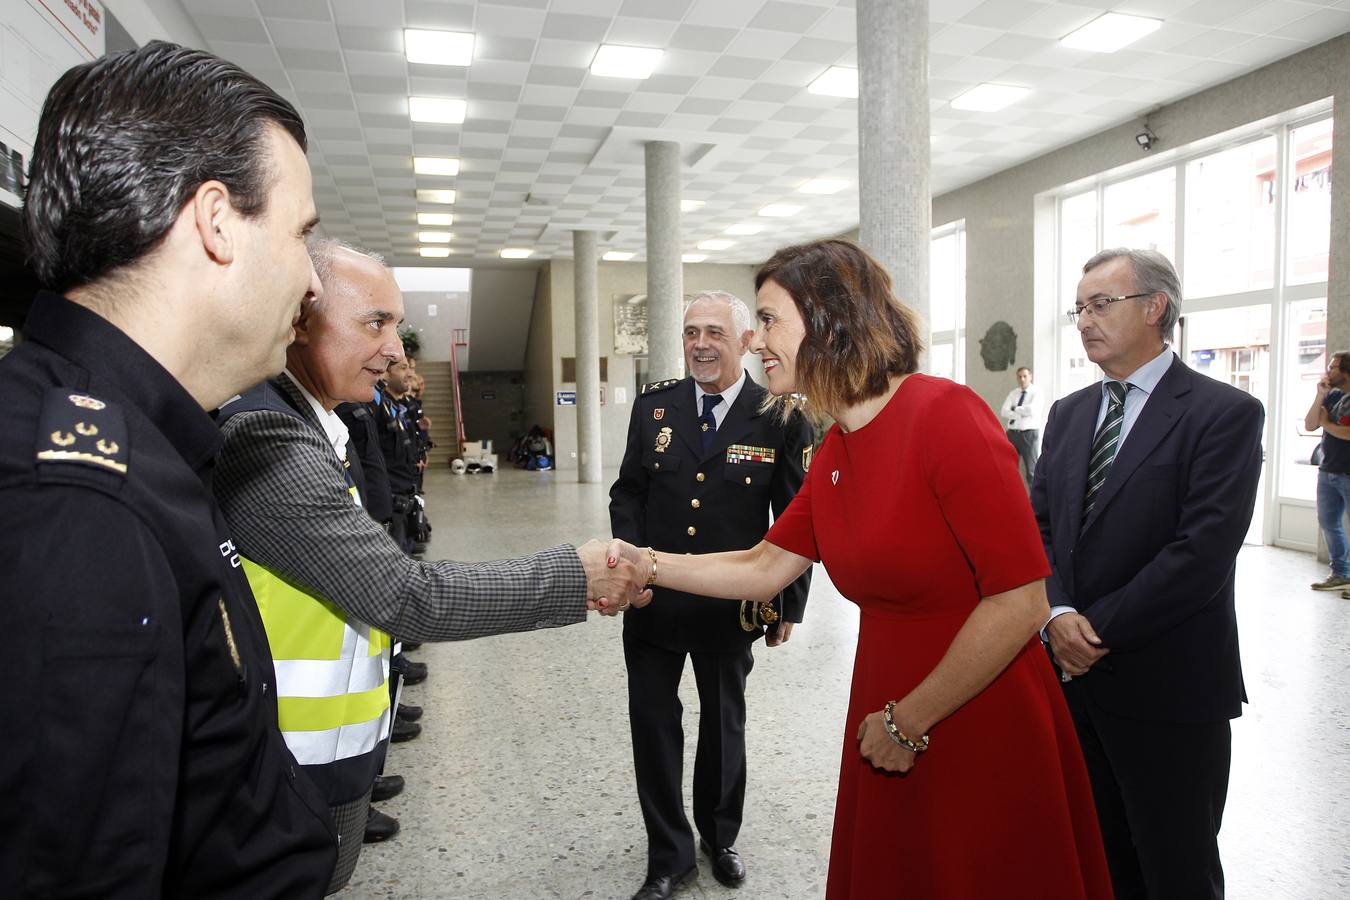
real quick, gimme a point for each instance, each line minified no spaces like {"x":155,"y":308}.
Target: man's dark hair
{"x":124,"y":141}
{"x":1340,"y":357}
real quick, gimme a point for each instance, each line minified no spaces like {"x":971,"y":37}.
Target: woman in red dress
{"x":915,"y":506}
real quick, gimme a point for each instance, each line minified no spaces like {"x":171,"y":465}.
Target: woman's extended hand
{"x":877,"y":747}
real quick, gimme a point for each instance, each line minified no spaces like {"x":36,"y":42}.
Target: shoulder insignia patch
{"x":76,"y":428}
{"x":655,"y":386}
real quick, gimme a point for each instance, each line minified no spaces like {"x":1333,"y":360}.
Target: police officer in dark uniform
{"x":141,"y":753}
{"x":399,"y":450}
{"x":701,"y":471}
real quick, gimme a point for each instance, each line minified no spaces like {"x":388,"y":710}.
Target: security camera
{"x":1145,"y":139}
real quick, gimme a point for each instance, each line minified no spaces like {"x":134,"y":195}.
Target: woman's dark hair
{"x":124,"y":141}
{"x":858,"y":334}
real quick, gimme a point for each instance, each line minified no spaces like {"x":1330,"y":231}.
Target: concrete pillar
{"x":665,"y":275}
{"x":587,"y":308}
{"x":895,"y":209}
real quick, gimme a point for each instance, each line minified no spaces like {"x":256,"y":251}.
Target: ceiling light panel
{"x":823,"y":186}
{"x":716,"y":245}
{"x":691,"y":205}
{"x":515,"y":253}
{"x":614,"y":61}
{"x":427,"y":195}
{"x":435,"y":219}
{"x":1110,"y":32}
{"x":434,"y":252}
{"x":617,"y":256}
{"x":744,"y":229}
{"x":438,"y":48}
{"x":434,"y":237}
{"x":780,"y":210}
{"x":693,"y":257}
{"x":989,"y":97}
{"x":838,"y":81}
{"x":435,"y":165}
{"x":437,"y":110}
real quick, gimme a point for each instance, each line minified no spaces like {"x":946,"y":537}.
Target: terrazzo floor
{"x":520,"y":784}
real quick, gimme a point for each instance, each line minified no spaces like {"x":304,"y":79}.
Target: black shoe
{"x":410,"y":646}
{"x":386,"y":786}
{"x":408,"y":713}
{"x":379,"y":827}
{"x":660,"y":887}
{"x":726,"y":864}
{"x":404,"y":731}
{"x":416,"y":674}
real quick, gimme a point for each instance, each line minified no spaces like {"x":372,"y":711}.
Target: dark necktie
{"x":1105,"y":444}
{"x":1020,"y":400}
{"x":707,"y":421}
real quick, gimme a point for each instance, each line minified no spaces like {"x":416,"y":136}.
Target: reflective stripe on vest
{"x":332,"y":674}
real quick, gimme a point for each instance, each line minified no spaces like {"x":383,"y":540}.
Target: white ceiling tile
{"x":576,"y":54}
{"x":636,"y":32}
{"x":288,"y":33}
{"x":362,"y":12}
{"x":960,"y":40}
{"x":509,"y":21}
{"x":367,"y":63}
{"x":1319,"y":26}
{"x":723,"y":13}
{"x":760,"y":44}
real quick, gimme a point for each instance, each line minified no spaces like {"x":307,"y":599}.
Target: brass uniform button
{"x":692,"y":530}
{"x":747,"y":479}
{"x":695,"y":504}
{"x":657,"y":466}
{"x":698,"y":477}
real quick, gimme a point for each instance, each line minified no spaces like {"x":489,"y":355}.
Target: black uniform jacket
{"x":672,"y":496}
{"x":365,"y":441}
{"x":396,"y":442}
{"x":141,"y":756}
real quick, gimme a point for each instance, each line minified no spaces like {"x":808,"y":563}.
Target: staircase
{"x":439,"y":405}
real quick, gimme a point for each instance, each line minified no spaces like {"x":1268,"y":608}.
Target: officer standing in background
{"x":397,"y":444}
{"x":701,"y":471}
{"x":141,"y":755}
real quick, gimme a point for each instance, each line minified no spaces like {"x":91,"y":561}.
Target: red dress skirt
{"x":916,"y":516}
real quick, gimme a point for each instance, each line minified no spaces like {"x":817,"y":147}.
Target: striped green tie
{"x":1105,"y":444}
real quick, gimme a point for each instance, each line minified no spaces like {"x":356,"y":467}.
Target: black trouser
{"x":1160,"y":789}
{"x":398,"y":526}
{"x":655,"y":712}
{"x":1027,"y":443}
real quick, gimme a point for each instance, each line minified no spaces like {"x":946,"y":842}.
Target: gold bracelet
{"x":651,"y":579}
{"x":899,"y":736}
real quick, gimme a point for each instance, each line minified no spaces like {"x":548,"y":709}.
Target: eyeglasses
{"x":1101,"y":306}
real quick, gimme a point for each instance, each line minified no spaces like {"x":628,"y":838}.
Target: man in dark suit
{"x":1143,"y":493}
{"x":702,"y":469}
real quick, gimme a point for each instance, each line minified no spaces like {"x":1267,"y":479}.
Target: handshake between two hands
{"x":616,"y":576}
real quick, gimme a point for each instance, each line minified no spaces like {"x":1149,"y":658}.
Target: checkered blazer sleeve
{"x":283,"y":494}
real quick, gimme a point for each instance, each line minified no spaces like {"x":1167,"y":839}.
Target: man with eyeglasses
{"x":1331,"y":413}
{"x":1144,"y":492}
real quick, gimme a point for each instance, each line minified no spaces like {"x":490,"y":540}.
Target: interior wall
{"x":616,"y":279}
{"x":1000,"y":211}
{"x":494,"y":407}
{"x":538,"y":354}
{"x":435,"y":332}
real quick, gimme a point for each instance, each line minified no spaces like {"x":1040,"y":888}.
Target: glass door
{"x":1232,"y":345}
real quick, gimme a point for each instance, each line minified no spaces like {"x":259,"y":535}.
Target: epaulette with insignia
{"x":659,"y":385}
{"x":84,"y":430}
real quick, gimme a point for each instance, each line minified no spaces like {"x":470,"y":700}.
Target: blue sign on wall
{"x":567,"y":398}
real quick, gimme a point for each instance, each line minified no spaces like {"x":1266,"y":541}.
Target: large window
{"x":1247,"y":226}
{"x":947,"y":302}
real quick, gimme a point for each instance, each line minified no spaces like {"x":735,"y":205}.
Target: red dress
{"x":916,"y":516}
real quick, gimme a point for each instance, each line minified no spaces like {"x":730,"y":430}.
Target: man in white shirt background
{"x":1021,"y":414}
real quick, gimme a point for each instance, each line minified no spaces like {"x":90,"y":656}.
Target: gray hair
{"x":321,"y":253}
{"x":1153,"y":274}
{"x":740,"y":313}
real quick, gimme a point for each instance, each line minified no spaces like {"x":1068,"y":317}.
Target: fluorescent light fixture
{"x":716,"y":245}
{"x":989,"y":97}
{"x":780,"y":210}
{"x":691,"y":205}
{"x":438,"y":48}
{"x":435,"y":219}
{"x":1108,"y":33}
{"x":613,"y":61}
{"x":435,"y":165}
{"x":434,"y":237}
{"x":427,"y":195}
{"x":617,"y":256}
{"x":745,"y":228}
{"x":838,"y":81}
{"x":823,"y":186}
{"x":693,"y":257}
{"x":515,"y":253}
{"x":442,"y":110}
{"x":433,"y":252}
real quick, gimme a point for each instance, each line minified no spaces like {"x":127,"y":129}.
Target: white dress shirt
{"x":1023,"y":416}
{"x":333,"y":427}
